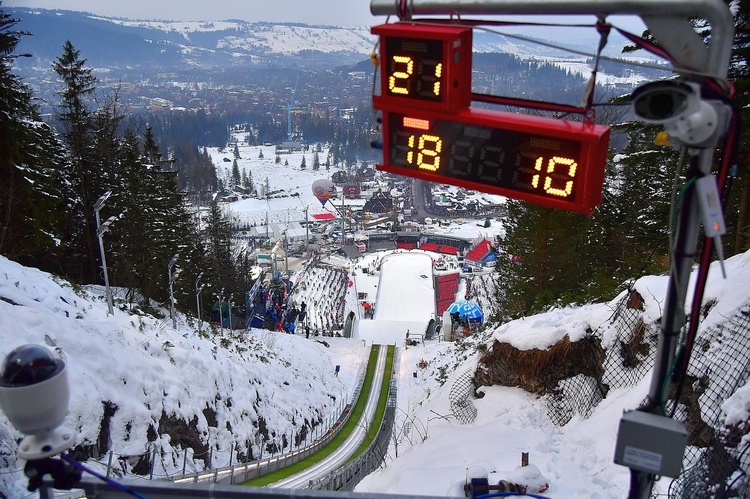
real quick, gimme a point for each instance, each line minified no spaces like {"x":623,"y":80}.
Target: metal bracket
{"x":669,"y":21}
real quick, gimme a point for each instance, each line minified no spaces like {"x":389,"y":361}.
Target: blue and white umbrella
{"x":467,"y":310}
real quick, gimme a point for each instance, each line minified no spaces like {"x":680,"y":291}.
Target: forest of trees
{"x":158,"y":170}
{"x":54,"y":173}
{"x":552,"y":258}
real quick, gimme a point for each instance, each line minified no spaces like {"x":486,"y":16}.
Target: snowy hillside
{"x":230,"y":43}
{"x":268,"y":38}
{"x":433,"y":452}
{"x":136,"y":375}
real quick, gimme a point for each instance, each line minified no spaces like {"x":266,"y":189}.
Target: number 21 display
{"x":431,"y":132}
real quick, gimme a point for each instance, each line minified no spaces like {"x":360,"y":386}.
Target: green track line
{"x":345,"y":430}
{"x":377,"y":420}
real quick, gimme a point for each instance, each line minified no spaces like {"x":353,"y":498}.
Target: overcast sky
{"x":331,"y":12}
{"x":334,"y":12}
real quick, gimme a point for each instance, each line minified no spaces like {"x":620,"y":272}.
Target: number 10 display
{"x":431,"y":132}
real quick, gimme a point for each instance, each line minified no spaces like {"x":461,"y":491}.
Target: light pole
{"x":198,"y":289}
{"x":221,"y":315}
{"x":229,"y":305}
{"x":307,"y":237}
{"x":100,"y":230}
{"x":171,"y":294}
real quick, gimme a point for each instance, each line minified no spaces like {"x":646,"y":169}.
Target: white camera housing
{"x":34,"y":395}
{"x":677,"y":105}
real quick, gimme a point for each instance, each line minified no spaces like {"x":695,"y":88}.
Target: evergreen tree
{"x":303,"y":165}
{"x":218,"y":248}
{"x":196,"y":172}
{"x":278,"y":159}
{"x":316,"y":162}
{"x":738,"y":209}
{"x":236,"y":151}
{"x":83,"y":176}
{"x":286,"y":162}
{"x":236,"y":181}
{"x":31,"y":203}
{"x":248,"y":182}
{"x":260,"y":154}
{"x":631,"y":226}
{"x":540,"y":260}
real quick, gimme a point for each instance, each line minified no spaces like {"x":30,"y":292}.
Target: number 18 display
{"x":535,"y":159}
{"x":431,"y":132}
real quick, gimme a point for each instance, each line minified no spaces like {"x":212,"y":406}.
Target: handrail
{"x":219,"y":475}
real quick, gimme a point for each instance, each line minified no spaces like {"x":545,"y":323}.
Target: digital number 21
{"x":399,"y":81}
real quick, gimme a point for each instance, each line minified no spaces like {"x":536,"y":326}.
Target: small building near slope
{"x":481,"y":254}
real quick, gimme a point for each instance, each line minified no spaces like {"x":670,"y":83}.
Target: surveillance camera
{"x":659,"y":102}
{"x":34,"y":395}
{"x":677,"y":105}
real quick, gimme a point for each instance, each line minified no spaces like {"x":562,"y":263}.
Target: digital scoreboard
{"x":431,"y":132}
{"x":427,"y":67}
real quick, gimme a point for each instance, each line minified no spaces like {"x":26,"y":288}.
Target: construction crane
{"x":289,"y":112}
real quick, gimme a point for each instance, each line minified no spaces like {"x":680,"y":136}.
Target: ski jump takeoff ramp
{"x":405,"y":300}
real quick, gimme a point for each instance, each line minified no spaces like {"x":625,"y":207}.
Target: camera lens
{"x":29,"y":364}
{"x":661,"y":105}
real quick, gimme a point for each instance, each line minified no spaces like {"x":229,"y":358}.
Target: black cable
{"x":511,"y":494}
{"x":113,"y":483}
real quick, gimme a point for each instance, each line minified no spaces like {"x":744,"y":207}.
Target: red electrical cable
{"x":728,"y":159}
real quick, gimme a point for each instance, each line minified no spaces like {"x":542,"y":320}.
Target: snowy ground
{"x":147,"y":368}
{"x":293,"y":187}
{"x":144,"y":366}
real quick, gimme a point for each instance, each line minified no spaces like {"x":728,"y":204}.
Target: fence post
{"x":210,"y":457}
{"x":153,"y":463}
{"x":109,"y":464}
{"x":184,"y":462}
{"x":231,"y":454}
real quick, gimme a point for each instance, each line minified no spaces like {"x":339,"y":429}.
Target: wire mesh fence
{"x":717,"y":459}
{"x":631,"y":344}
{"x":717,"y":456}
{"x":460,"y":398}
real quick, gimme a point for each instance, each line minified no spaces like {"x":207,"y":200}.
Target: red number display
{"x":431,"y":132}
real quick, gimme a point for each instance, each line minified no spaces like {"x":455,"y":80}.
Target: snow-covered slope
{"x":136,"y":375}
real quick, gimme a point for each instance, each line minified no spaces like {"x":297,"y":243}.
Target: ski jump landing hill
{"x":405,"y":300}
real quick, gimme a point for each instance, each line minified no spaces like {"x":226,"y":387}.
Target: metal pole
{"x":221,"y":315}
{"x":716,"y":12}
{"x":100,"y":233}
{"x":171,"y":294}
{"x":229,"y":313}
{"x":343,"y":220}
{"x":307,"y":237}
{"x":286,"y":250}
{"x":197,"y":298}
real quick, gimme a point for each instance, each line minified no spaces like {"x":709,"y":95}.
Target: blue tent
{"x":467,"y":310}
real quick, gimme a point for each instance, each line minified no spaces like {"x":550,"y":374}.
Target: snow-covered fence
{"x":630,"y":356}
{"x":717,"y":459}
{"x":460,"y":395}
{"x":348,"y":476}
